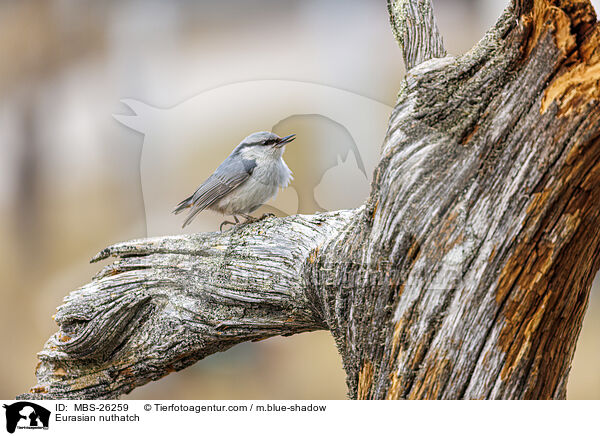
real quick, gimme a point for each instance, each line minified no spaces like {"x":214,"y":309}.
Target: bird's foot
{"x":237,"y":221}
{"x":225,"y":222}
{"x":249,"y":218}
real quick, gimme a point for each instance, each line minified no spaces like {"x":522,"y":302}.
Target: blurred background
{"x":107,"y":120}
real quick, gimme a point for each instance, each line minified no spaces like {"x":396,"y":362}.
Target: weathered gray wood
{"x":465,"y":275}
{"x":415,"y":29}
{"x":168,"y":302}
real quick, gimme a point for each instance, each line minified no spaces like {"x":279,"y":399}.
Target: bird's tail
{"x":188,"y":203}
{"x":195,"y":211}
{"x":183,"y":205}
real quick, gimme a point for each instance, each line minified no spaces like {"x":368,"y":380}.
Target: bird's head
{"x":264,"y":144}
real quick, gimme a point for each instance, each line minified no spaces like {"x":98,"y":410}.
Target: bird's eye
{"x":269,"y":141}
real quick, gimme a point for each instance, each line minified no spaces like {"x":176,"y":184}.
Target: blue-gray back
{"x":229,"y":175}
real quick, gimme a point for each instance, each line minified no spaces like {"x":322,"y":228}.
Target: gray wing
{"x":229,"y":175}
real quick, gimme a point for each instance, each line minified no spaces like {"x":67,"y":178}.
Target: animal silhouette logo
{"x":184,"y":143}
{"x":24,"y":414}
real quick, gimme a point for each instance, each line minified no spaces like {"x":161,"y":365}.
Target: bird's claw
{"x":225,"y":222}
{"x":249,"y":220}
{"x":237,"y":221}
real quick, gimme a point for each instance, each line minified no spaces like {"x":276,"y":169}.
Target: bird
{"x":250,"y":176}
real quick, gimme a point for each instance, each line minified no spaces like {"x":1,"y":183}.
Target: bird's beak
{"x":285,"y":140}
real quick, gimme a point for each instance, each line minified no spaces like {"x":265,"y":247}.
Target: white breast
{"x":262,"y":185}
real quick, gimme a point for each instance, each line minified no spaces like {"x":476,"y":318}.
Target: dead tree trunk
{"x":465,"y":275}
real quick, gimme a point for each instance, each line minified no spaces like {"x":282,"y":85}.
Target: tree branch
{"x":168,"y":302}
{"x":415,"y":29}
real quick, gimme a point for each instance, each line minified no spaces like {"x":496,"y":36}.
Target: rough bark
{"x":171,"y":301}
{"x":414,"y":27}
{"x":465,"y":275}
